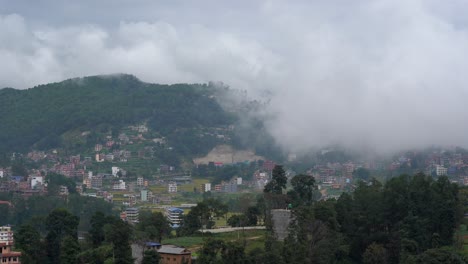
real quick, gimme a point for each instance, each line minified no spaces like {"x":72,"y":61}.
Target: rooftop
{"x":171,"y":249}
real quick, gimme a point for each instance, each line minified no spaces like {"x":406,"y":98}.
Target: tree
{"x":154,"y":225}
{"x":202,"y":216}
{"x":233,"y":253}
{"x":210,"y":251}
{"x":252,"y":215}
{"x":278,"y":181}
{"x":69,"y":251}
{"x":60,"y":224}
{"x":118,"y":234}
{"x":375,"y":253}
{"x":361,"y":174}
{"x":303,"y":188}
{"x":237,"y":220}
{"x":28,"y":240}
{"x":96,"y":232}
{"x":150,"y":257}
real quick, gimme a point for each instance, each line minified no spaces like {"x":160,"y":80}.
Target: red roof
{"x":12,"y":254}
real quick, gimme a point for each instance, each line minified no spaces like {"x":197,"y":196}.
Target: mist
{"x":384,"y":75}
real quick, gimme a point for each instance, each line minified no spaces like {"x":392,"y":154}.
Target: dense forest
{"x":41,"y":115}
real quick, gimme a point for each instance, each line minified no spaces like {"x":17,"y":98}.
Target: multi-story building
{"x":96,"y":182}
{"x":119,"y":185}
{"x":6,"y":235}
{"x":441,"y":170}
{"x":174,"y":215}
{"x":132,"y":214}
{"x":230,"y":187}
{"x":144,"y":195}
{"x":172,"y":187}
{"x":6,"y":241}
{"x":140,"y":181}
{"x":206,"y":187}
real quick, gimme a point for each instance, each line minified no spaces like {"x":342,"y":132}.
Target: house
{"x":172,"y":187}
{"x":119,"y":185}
{"x":144,"y":195}
{"x":132,"y":215}
{"x":441,"y":170}
{"x":36,"y":180}
{"x":115,"y":171}
{"x":171,"y":254}
{"x":140,"y":181}
{"x":6,"y":241}
{"x":6,"y":235}
{"x":7,"y":256}
{"x":206,"y":187}
{"x":174,"y":216}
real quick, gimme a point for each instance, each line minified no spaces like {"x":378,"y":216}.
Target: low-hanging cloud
{"x":386,"y":74}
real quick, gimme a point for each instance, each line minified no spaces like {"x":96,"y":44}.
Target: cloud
{"x":385,"y":74}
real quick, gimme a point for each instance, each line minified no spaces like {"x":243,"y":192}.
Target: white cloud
{"x":387,"y":74}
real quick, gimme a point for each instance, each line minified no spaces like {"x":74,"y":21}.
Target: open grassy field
{"x":252,"y":239}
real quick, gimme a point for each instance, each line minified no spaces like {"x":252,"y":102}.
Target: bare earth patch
{"x":227,"y":155}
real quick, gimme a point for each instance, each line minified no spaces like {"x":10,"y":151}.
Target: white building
{"x":35,"y":180}
{"x":6,"y":235}
{"x":174,"y":215}
{"x":115,"y":170}
{"x":441,"y":170}
{"x":172,"y":187}
{"x":2,"y":173}
{"x":239,"y":181}
{"x":120,"y":185}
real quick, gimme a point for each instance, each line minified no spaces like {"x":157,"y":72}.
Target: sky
{"x":380,"y":74}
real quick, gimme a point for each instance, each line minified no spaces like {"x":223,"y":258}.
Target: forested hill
{"x":41,"y":115}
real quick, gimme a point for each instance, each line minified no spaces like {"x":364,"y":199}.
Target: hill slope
{"x":40,"y":116}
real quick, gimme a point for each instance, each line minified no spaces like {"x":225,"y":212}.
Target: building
{"x":132,"y":214}
{"x":230,"y":187}
{"x":171,"y":254}
{"x":96,"y":182}
{"x":239,"y":181}
{"x":281,"y":218}
{"x":63,"y":190}
{"x":115,"y":170}
{"x":35,"y":180}
{"x":7,"y":256}
{"x":206,"y":187}
{"x":6,"y":241}
{"x":172,"y":187}
{"x":6,"y":235}
{"x":269,"y":165}
{"x":174,"y":215}
{"x":119,"y":185}
{"x":140,"y":181}
{"x":441,"y":170}
{"x":98,"y":147}
{"x":144,"y":195}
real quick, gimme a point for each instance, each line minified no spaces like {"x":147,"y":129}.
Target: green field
{"x":252,"y":239}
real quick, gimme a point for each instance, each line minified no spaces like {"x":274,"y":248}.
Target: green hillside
{"x":43,"y":116}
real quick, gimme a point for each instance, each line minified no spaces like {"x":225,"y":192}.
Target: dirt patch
{"x":227,"y":155}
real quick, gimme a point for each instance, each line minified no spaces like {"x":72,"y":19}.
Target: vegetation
{"x":410,"y":219}
{"x":108,"y":103}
